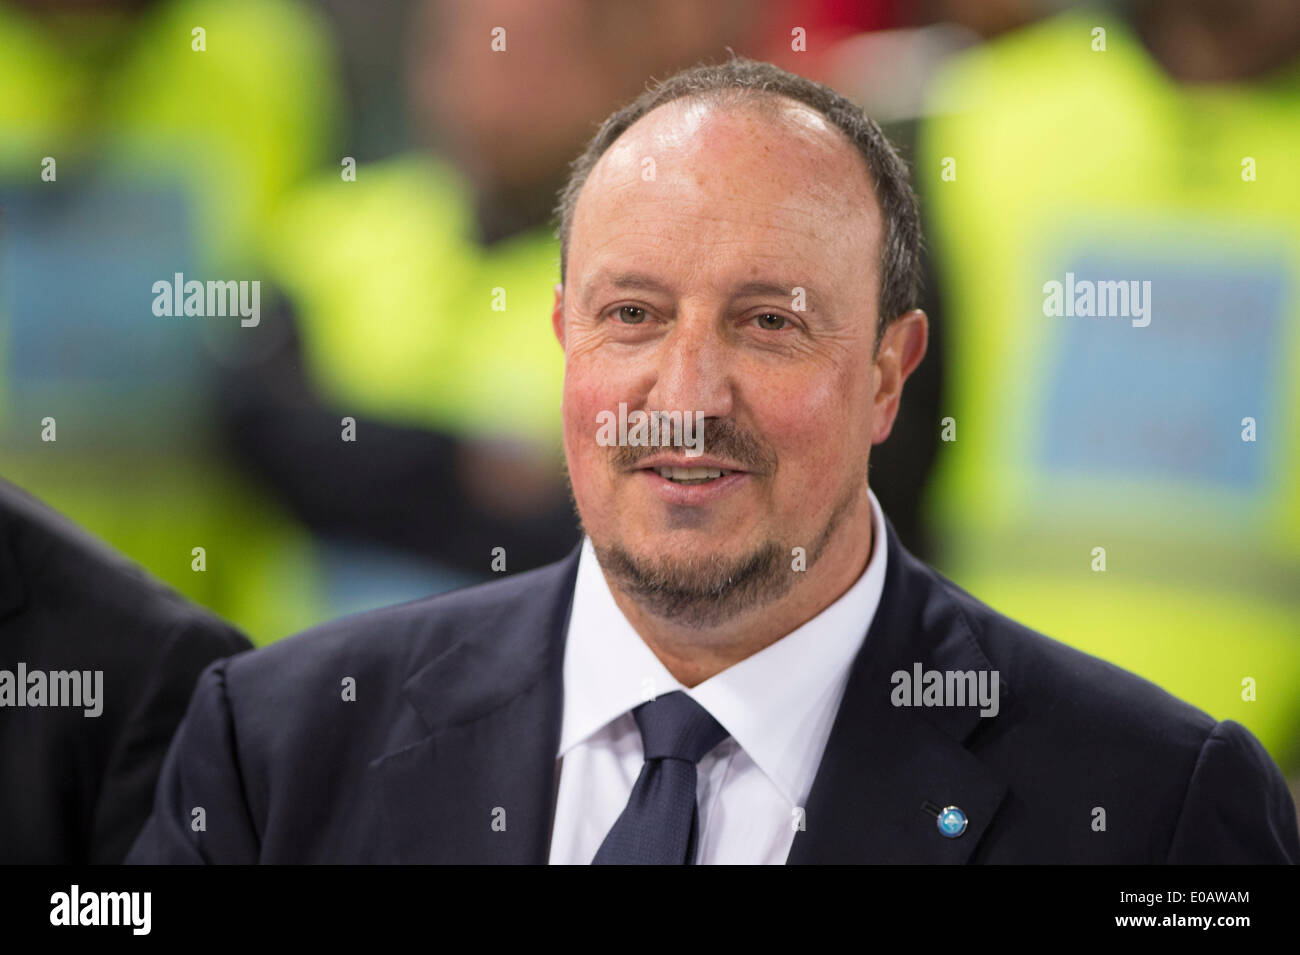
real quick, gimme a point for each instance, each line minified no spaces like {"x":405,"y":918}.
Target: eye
{"x":771,"y":322}
{"x":631,"y":315}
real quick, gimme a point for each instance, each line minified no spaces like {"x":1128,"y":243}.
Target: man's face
{"x":691,"y":241}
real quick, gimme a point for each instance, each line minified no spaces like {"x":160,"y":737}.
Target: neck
{"x":694,"y":654}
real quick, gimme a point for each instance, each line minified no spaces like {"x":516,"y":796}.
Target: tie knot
{"x":676,"y":727}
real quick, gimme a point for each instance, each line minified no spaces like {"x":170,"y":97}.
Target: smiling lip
{"x":693,"y":495}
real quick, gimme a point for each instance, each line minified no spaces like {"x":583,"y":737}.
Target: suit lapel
{"x":884,"y":764}
{"x":477,"y":785}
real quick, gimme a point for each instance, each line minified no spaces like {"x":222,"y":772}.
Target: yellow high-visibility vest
{"x":1120,"y":257}
{"x":202,"y":143}
{"x":404,"y":316}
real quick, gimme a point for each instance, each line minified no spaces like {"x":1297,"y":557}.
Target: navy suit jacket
{"x":448,"y":752}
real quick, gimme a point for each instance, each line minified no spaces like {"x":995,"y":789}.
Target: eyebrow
{"x":623,"y":280}
{"x":645,"y":281}
{"x":777,"y":289}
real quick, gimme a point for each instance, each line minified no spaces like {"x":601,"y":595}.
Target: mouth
{"x":692,"y":482}
{"x":690,"y":471}
{"x":689,"y":476}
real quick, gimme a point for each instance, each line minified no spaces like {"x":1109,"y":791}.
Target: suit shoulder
{"x":400,"y":638}
{"x":66,"y":571}
{"x":338,"y":691}
{"x":1075,"y":734}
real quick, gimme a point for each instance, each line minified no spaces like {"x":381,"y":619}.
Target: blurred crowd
{"x":390,"y":427}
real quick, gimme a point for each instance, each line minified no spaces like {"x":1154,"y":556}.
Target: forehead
{"x":701,"y":185}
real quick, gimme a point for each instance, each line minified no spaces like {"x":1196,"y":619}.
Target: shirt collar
{"x":776,"y":703}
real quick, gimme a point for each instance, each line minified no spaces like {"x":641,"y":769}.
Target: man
{"x":741,"y":662}
{"x":97,"y":664}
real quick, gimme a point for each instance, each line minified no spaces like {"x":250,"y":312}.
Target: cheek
{"x":585,"y":396}
{"x":821,"y":430}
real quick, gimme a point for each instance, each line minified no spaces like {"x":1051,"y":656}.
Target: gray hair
{"x":740,"y":79}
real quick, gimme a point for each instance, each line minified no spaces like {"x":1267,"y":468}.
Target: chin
{"x":698,"y":587}
{"x":719,"y":542}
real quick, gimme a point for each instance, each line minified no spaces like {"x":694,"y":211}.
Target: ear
{"x":557,"y":315}
{"x":901,"y":350}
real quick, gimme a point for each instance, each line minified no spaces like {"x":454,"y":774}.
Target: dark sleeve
{"x":201,"y":771}
{"x":1237,"y":809}
{"x":126,"y":791}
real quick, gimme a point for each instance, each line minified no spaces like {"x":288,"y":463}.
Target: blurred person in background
{"x":1136,"y":488}
{"x":139,"y":140}
{"x":419,"y":287}
{"x":890,"y":71}
{"x":97,"y":664}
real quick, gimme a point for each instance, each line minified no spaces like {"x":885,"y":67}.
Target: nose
{"x":693,"y":367}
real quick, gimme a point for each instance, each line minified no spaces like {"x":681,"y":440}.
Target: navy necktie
{"x":660,"y":824}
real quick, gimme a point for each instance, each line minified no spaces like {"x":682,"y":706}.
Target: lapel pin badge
{"x":950,"y":819}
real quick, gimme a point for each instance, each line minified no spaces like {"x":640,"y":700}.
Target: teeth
{"x":691,"y":475}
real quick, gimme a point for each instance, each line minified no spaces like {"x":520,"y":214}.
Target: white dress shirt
{"x":778,"y":705}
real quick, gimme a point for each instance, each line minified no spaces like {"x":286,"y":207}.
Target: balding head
{"x":761,"y":86}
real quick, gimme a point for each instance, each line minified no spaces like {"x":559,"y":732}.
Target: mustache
{"x":722,"y":438}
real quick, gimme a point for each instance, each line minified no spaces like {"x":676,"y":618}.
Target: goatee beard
{"x":703,"y":592}
{"x":700,"y":592}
